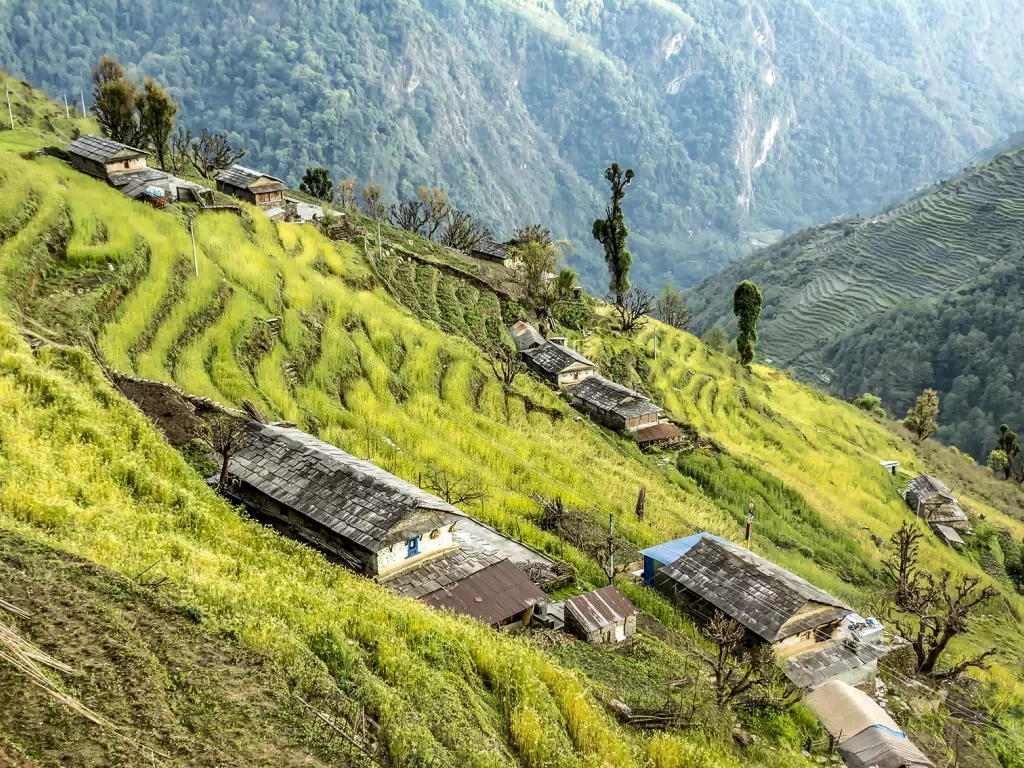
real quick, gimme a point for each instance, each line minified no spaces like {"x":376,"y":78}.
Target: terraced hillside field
{"x":304,"y":328}
{"x":824,"y":281}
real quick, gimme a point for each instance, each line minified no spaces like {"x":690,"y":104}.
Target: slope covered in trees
{"x":958,"y":246}
{"x":737,"y":117}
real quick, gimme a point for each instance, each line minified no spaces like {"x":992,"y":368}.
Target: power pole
{"x":82,"y":94}
{"x":611,"y":547}
{"x":750,"y":522}
{"x":10,"y":112}
{"x":192,"y":234}
{"x":67,"y":110}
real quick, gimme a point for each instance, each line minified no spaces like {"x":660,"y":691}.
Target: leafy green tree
{"x":870,"y":403}
{"x":716,"y":339}
{"x":534,"y":264}
{"x":921,"y":419}
{"x":156,"y":118}
{"x":611,"y":232}
{"x":373,"y":202}
{"x":316,"y":181}
{"x":998,"y":462}
{"x":114,"y":99}
{"x":746,"y":305}
{"x":1008,"y":444}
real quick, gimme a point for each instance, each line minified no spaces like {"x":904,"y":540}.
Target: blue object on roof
{"x":153,"y":192}
{"x":664,"y":554}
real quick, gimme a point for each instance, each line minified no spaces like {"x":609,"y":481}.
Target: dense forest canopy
{"x":740,"y":118}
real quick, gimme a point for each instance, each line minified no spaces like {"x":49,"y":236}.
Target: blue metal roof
{"x":671,"y":551}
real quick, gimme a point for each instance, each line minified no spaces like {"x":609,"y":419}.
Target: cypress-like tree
{"x":611,"y":232}
{"x":746,"y":305}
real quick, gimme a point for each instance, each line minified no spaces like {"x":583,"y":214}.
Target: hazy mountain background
{"x":739,"y":117}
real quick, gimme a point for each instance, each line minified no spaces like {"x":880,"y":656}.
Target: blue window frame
{"x":413,"y":545}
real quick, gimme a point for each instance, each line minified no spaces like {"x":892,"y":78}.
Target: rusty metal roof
{"x":656,"y":433}
{"x":600,"y":608}
{"x":491,"y":595}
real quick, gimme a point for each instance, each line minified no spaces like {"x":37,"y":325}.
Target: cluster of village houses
{"x":420,"y":546}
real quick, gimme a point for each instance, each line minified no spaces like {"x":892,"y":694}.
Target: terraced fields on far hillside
{"x":822,"y":282}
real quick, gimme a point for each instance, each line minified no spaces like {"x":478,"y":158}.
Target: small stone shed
{"x":602,"y":617}
{"x":104,"y":158}
{"x":613,"y":405}
{"x":892,"y":467}
{"x":488,"y":250}
{"x":930,"y":499}
{"x":254,"y":187}
{"x":558,"y":364}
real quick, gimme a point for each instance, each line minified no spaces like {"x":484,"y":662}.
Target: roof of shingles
{"x":600,"y":608}
{"x":933,"y":491}
{"x":554,"y":358}
{"x":145,"y":176}
{"x":352,"y":497}
{"x":240,"y":176}
{"x":766,"y":599}
{"x":826,"y":661}
{"x":441,"y":572}
{"x":100,"y":149}
{"x":490,"y":595}
{"x":491,"y":249}
{"x":609,"y":396}
{"x":670,"y":551}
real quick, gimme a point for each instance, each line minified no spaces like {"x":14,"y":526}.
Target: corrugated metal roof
{"x":949,"y":534}
{"x":845,"y":711}
{"x":352,"y":497}
{"x":656,"y":433}
{"x":879,"y":748}
{"x":554,"y":358}
{"x":600,"y":608}
{"x":766,"y":599}
{"x":100,"y":149}
{"x":525,"y":335}
{"x":240,"y":176}
{"x":491,"y":595}
{"x":670,"y":551}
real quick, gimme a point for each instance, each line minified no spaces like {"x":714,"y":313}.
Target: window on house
{"x":126,"y":163}
{"x":413,"y":546}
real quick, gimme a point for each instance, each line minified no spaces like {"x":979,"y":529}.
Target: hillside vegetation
{"x":863,"y":285}
{"x":83,"y":471}
{"x":738,"y":117}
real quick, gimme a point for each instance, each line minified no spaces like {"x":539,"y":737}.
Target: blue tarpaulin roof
{"x":671,"y":551}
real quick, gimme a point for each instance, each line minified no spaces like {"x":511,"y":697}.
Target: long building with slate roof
{"x":703,"y":574}
{"x":104,"y":158}
{"x":613,"y":405}
{"x":558,"y":363}
{"x":384,"y":527}
{"x":931,"y":500}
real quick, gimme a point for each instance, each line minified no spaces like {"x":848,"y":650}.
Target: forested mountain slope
{"x":83,"y":471}
{"x":825,"y":281}
{"x":737,"y":116}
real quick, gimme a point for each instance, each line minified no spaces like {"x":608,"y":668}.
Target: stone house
{"x":252,"y":186}
{"x":613,"y":405}
{"x":602,"y":617}
{"x":803,"y":624}
{"x":488,"y":250}
{"x":558,"y":364}
{"x":104,"y":158}
{"x":384,"y":527}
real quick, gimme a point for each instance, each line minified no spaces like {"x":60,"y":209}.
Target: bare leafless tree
{"x":373,"y":202}
{"x":409,"y":215}
{"x":671,"y":308}
{"x":225,"y":435}
{"x":506,"y":364}
{"x":463,"y":231}
{"x":454,"y":489}
{"x":209,"y":152}
{"x":641,"y":503}
{"x":637,"y":303}
{"x":436,"y":210}
{"x":928,"y":611}
{"x":737,"y":674}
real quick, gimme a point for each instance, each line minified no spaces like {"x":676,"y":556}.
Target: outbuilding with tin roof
{"x":602,"y":617}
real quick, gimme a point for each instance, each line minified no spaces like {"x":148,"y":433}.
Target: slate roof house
{"x":380,"y":525}
{"x":866,"y":734}
{"x":488,"y":250}
{"x":931,"y":500}
{"x":704,"y":573}
{"x":252,"y":186}
{"x":602,"y":617}
{"x":613,"y":405}
{"x":558,"y":364}
{"x":104,"y":158}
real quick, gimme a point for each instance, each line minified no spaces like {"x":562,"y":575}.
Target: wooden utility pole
{"x":611,"y":547}
{"x":10,"y":112}
{"x":192,"y":234}
{"x":750,"y":522}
